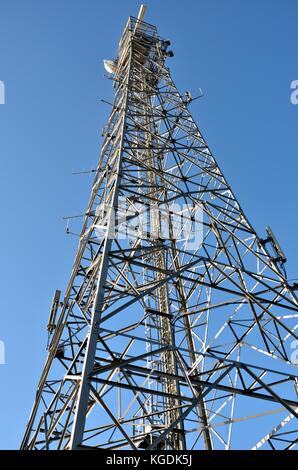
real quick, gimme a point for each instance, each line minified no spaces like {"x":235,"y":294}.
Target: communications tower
{"x":178,"y":328}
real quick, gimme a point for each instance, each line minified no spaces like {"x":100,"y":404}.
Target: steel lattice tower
{"x":156,"y":345}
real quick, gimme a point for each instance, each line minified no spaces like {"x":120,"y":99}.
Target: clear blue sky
{"x":244,"y":56}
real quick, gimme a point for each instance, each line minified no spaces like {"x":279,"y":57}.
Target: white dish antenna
{"x":110,"y":66}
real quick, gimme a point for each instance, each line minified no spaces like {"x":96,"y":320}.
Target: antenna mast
{"x":176,"y":328}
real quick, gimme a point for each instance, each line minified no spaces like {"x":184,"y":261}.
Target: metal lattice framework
{"x":156,"y":345}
